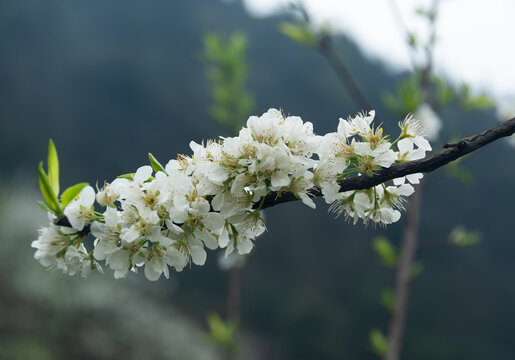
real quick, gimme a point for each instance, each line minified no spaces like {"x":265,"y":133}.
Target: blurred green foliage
{"x":301,"y":33}
{"x":456,"y":170}
{"x":406,"y":98}
{"x":378,"y":342}
{"x":388,"y":300}
{"x":416,"y":269}
{"x":469,"y":101}
{"x":460,"y":237}
{"x":227,"y":71}
{"x":385,"y":251}
{"x":222,"y":333}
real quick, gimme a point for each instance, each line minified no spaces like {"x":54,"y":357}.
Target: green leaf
{"x":385,"y":250}
{"x":460,"y":237}
{"x":299,"y":33}
{"x":473,"y":102}
{"x":71,"y":193}
{"x":53,"y":167}
{"x":459,"y":172}
{"x":155,"y":164}
{"x":412,"y":40}
{"x":388,"y":300}
{"x":444,"y":93}
{"x":378,"y":342}
{"x":227,"y":70}
{"x":222,"y":333}
{"x":44,"y":206}
{"x":47,"y":191}
{"x":416,"y":269}
{"x":406,"y":98}
{"x":129,"y":176}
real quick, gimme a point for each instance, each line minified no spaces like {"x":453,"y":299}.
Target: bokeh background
{"x":110,"y":81}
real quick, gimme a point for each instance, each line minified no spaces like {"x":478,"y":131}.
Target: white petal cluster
{"x":157,"y":220}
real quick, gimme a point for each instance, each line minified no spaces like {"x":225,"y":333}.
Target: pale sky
{"x":475,"y":44}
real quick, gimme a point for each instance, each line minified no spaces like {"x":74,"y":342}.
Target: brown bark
{"x":430,"y":163}
{"x":404,"y":275}
{"x":234,"y":294}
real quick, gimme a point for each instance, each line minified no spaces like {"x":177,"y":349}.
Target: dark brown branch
{"x":65,"y":222}
{"x":425,"y":165}
{"x":326,"y":48}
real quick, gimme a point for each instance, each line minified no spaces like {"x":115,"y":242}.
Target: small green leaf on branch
{"x":53,"y":167}
{"x":156,"y":165}
{"x":388,"y":300}
{"x":71,"y":193}
{"x":47,"y":190}
{"x":299,"y":33}
{"x":385,"y":250}
{"x":460,"y":237}
{"x":222,"y":333}
{"x":378,"y":342}
{"x":129,"y":176}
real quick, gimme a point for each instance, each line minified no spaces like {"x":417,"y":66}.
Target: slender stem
{"x":234,"y":294}
{"x":403,"y":275}
{"x":325,"y":46}
{"x":410,"y":236}
{"x":401,"y":24}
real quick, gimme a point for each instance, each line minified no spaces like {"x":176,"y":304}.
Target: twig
{"x":410,"y":235}
{"x":234,"y":294}
{"x":425,"y":165}
{"x":404,"y":275}
{"x":325,"y":46}
{"x":401,"y":24}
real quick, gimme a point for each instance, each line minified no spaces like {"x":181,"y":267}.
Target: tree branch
{"x":430,"y":163}
{"x":425,"y":165}
{"x":326,"y":48}
{"x":404,"y":276}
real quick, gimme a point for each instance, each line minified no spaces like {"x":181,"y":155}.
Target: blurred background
{"x":110,"y":81}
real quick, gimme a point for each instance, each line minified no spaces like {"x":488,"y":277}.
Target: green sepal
{"x":155,"y":164}
{"x":53,"y":167}
{"x":71,"y":193}
{"x":47,"y":191}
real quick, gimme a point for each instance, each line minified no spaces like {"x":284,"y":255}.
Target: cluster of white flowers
{"x":159,"y":218}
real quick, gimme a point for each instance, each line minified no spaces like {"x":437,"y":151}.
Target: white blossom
{"x":80,"y":210}
{"x":162,"y":220}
